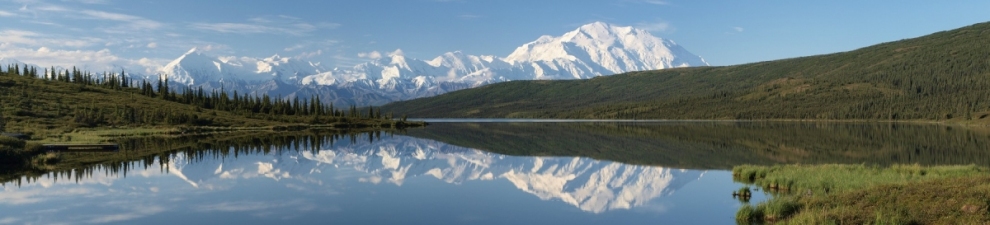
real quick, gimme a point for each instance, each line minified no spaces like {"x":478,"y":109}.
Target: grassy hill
{"x":942,"y":76}
{"x":47,"y":106}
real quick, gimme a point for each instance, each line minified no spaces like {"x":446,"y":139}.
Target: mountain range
{"x":595,"y":49}
{"x":588,"y":184}
{"x":936,"y":77}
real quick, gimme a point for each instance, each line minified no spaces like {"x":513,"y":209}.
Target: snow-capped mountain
{"x":595,"y":49}
{"x":591,"y":185}
{"x":598,"y":49}
{"x":8,"y":61}
{"x":195,"y":68}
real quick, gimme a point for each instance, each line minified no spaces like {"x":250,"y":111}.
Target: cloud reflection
{"x":355,"y":171}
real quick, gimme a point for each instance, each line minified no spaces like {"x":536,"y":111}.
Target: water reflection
{"x":488,"y":173}
{"x":722,"y":145}
{"x":301,"y":178}
{"x":591,"y":185}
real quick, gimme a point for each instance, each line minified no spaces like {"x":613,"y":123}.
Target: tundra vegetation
{"x":73,"y":106}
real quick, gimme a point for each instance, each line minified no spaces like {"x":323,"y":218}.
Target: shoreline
{"x":553,"y":120}
{"x":18,"y":154}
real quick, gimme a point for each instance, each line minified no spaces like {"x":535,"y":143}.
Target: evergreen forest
{"x":50,"y":101}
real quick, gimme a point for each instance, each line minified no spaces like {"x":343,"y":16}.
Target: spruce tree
{"x":3,"y":123}
{"x":123,"y":79}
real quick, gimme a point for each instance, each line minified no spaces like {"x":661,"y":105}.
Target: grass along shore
{"x":860,"y":194}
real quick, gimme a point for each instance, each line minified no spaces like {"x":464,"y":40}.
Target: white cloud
{"x":266,"y":25}
{"x":133,"y":22}
{"x":135,"y":212}
{"x":97,"y":2}
{"x":9,"y":220}
{"x":49,"y":8}
{"x":312,"y":45}
{"x":7,"y":14}
{"x":152,"y":45}
{"x":18,"y":37}
{"x":235,"y":206}
{"x":397,"y":52}
{"x":652,"y":2}
{"x":469,"y":16}
{"x":213,"y":47}
{"x":260,"y":20}
{"x":656,"y":2}
{"x":101,"y":60}
{"x":659,"y":26}
{"x":306,"y":55}
{"x":31,"y":196}
{"x":343,"y":60}
{"x":370,"y":55}
{"x":109,"y":15}
{"x":152,"y":63}
{"x":30,"y":38}
{"x":44,"y":23}
{"x":738,"y":29}
{"x":240,"y":28}
{"x":294,"y":47}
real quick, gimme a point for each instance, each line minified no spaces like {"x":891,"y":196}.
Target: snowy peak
{"x":591,"y":50}
{"x":599,"y":32}
{"x":276,"y":58}
{"x":615,"y":49}
{"x":196,"y":68}
{"x":191,"y":51}
{"x":192,"y":67}
{"x":8,"y":61}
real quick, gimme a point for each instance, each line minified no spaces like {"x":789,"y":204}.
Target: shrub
{"x":11,"y":142}
{"x":11,"y":152}
{"x":748,"y":214}
{"x":779,"y":208}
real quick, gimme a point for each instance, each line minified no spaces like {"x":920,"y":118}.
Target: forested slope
{"x":48,"y":103}
{"x":945,"y":75}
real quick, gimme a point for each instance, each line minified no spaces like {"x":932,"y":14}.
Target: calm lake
{"x":456,"y":172}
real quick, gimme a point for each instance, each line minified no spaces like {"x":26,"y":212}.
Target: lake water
{"x":471,"y":173}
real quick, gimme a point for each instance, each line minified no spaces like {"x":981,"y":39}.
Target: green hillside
{"x":48,"y":104}
{"x":942,"y":76}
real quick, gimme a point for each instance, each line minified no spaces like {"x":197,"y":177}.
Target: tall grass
{"x":823,"y":179}
{"x":748,"y":214}
{"x":861,"y":194}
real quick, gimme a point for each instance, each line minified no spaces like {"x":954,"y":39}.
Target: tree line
{"x":943,"y":76}
{"x":262,"y":107}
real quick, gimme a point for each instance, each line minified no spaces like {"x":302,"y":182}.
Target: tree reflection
{"x":151,"y":151}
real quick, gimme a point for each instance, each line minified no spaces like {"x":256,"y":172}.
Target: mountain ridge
{"x":936,"y":77}
{"x":596,"y":49}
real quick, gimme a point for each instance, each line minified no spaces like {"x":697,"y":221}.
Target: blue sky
{"x":144,"y":33}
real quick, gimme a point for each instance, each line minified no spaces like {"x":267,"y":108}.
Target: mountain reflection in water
{"x":244,"y":180}
{"x":478,"y":173}
{"x":591,"y":185}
